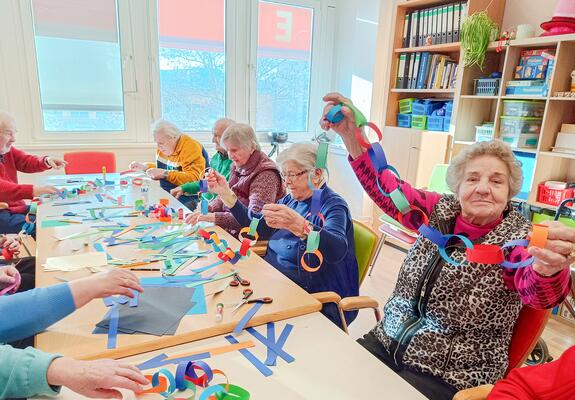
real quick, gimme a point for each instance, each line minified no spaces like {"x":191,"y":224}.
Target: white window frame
{"x":39,"y":134}
{"x":139,"y":46}
{"x":318,"y":79}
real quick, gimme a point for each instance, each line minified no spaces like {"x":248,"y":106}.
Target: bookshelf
{"x":473,"y":110}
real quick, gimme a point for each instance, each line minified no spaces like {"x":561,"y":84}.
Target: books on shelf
{"x":424,"y":70}
{"x":435,"y":25}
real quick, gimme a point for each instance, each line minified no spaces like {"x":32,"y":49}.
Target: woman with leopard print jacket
{"x":448,"y":328}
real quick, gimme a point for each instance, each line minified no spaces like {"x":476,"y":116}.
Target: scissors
{"x":238,"y":280}
{"x":246,"y":300}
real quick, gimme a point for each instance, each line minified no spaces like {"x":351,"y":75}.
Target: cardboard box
{"x":526,"y":90}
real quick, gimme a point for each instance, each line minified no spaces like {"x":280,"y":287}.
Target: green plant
{"x":477,"y":31}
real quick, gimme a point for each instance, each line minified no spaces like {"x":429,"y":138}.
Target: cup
{"x":524,"y":31}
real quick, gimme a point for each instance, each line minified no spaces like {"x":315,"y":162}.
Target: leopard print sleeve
{"x":537,"y":291}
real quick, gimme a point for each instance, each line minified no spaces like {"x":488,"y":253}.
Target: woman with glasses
{"x":254,"y":179}
{"x":289,"y":222}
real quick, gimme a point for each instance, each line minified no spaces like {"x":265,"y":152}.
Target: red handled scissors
{"x":246,"y":300}
{"x":238,"y":280}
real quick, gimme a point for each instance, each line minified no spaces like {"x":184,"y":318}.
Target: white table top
{"x":328,"y":365}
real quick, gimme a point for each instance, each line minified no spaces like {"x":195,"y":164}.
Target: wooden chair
{"x":89,"y":162}
{"x":365,"y":241}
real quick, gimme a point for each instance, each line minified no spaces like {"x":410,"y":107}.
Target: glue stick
{"x":219,"y":312}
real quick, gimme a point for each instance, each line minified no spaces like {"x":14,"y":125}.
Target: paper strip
{"x":264,"y":369}
{"x":247,"y":317}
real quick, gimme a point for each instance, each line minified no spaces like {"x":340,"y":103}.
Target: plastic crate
{"x":517,"y":125}
{"x":528,"y":140}
{"x":523,"y":108}
{"x":435,"y":123}
{"x":446,"y":123}
{"x":405,"y":105}
{"x":448,"y":109}
{"x":552,"y":197}
{"x":426,"y":107}
{"x":404,"y":120}
{"x":484,"y":133}
{"x":419,"y":121}
{"x":486,"y":86}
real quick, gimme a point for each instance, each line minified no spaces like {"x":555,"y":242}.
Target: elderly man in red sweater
{"x":12,"y":160}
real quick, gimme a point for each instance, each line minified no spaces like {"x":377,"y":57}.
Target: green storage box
{"x":405,"y":105}
{"x":419,"y":121}
{"x":538,"y":217}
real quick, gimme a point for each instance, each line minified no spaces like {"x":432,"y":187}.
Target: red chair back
{"x":526,"y":333}
{"x":89,"y":162}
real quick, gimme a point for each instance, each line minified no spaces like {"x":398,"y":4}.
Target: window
{"x":192,"y":62}
{"x":79,"y":65}
{"x":284,"y":65}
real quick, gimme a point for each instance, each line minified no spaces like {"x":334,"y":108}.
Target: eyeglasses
{"x":292,"y":175}
{"x":9,"y":133}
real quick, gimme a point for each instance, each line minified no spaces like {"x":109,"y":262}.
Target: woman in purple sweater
{"x":255,"y":179}
{"x":446,"y":327}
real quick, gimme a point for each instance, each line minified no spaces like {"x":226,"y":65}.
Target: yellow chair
{"x":365,"y":240}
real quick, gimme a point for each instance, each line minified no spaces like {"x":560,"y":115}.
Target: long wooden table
{"x":328,"y":365}
{"x":73,"y":336}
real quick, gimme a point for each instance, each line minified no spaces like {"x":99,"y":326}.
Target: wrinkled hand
{"x":138,"y":166}
{"x":95,"y":379}
{"x":196,"y":216}
{"x":279,"y":216}
{"x":217,"y":183}
{"x":155,"y":173}
{"x":56,"y":163}
{"x":104,"y":284}
{"x":40,"y":190}
{"x":12,"y":244}
{"x":8,"y":275}
{"x":558,"y":253}
{"x":177,"y":192}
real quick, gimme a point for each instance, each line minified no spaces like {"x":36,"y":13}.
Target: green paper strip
{"x":254,"y":227}
{"x":33,"y":208}
{"x":54,"y":223}
{"x":398,"y":198}
{"x":312,"y":241}
{"x":360,"y":119}
{"x":214,"y":279}
{"x":321,"y":159}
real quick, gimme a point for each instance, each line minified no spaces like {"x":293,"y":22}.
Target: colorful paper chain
{"x":478,"y":253}
{"x":312,"y":242}
{"x":186,"y":377}
{"x":220,"y":246}
{"x":30,"y":220}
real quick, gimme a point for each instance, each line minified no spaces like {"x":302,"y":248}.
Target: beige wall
{"x":532,"y":12}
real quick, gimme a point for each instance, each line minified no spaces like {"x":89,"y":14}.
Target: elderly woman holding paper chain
{"x":254,"y":179}
{"x":30,"y":372}
{"x":287,"y":224}
{"x":447,"y":327}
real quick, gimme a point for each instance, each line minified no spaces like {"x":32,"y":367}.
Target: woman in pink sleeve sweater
{"x":445,"y":327}
{"x":12,"y":160}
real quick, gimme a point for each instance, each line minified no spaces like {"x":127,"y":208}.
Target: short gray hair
{"x":241,"y":135}
{"x":223,"y":122}
{"x":303,"y":154}
{"x":494,"y":148}
{"x":167,"y":128}
{"x":5,"y":117}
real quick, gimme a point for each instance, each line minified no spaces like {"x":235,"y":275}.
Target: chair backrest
{"x":437,"y":182}
{"x":526,"y":333}
{"x":365,"y":240}
{"x":89,"y":162}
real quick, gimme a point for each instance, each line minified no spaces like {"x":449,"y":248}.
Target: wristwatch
{"x":307,"y":228}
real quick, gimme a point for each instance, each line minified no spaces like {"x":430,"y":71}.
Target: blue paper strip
{"x":315,"y":206}
{"x":199,"y":302}
{"x":264,"y":369}
{"x":99,"y":197}
{"x":274,"y":348}
{"x":246,"y":318}
{"x":113,"y":328}
{"x":160,"y":360}
{"x":377,"y":157}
